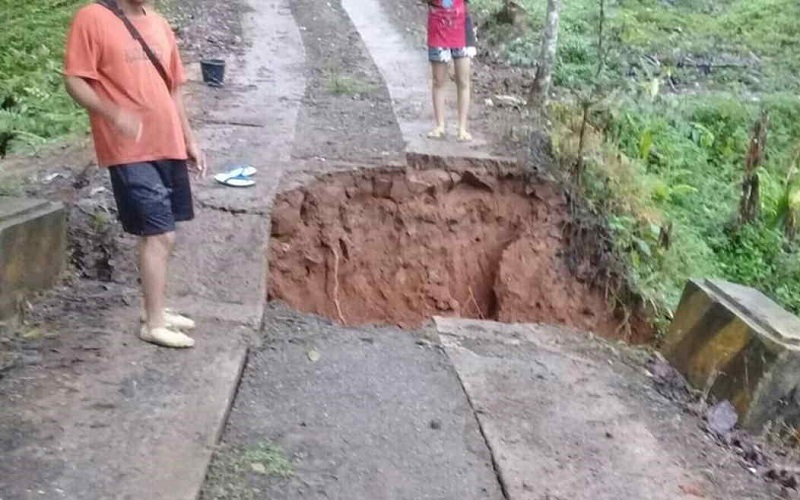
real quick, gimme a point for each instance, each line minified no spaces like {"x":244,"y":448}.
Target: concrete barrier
{"x":33,"y":245}
{"x":743,"y":346}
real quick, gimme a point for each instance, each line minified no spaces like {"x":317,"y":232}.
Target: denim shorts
{"x":443,"y":55}
{"x":152,"y":196}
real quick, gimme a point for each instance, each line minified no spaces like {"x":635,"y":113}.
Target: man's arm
{"x":128,"y":124}
{"x":193,"y":150}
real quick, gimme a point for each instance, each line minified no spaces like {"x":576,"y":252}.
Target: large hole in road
{"x":398,"y":247}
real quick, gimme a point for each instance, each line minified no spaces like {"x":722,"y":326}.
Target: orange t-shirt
{"x":102,"y":51}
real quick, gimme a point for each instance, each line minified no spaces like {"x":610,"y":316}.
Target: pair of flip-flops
{"x":237,"y":177}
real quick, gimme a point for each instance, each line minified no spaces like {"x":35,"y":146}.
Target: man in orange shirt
{"x":142,"y":135}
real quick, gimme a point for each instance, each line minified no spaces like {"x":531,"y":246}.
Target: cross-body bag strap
{"x":114,"y":7}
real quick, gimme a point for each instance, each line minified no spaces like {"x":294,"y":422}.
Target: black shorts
{"x":152,"y":196}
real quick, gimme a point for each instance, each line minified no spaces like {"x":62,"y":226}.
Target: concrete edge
{"x":448,"y":343}
{"x":751,"y":321}
{"x":223,"y":422}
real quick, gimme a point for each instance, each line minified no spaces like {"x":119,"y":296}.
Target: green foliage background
{"x":674,"y":135}
{"x":33,"y":104}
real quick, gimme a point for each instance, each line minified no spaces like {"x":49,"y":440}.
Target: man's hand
{"x":127,"y":124}
{"x":197,"y":160}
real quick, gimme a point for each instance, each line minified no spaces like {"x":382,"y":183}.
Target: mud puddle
{"x":398,"y":247}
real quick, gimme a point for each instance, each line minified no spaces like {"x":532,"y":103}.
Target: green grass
{"x":339,"y":84}
{"x":676,"y":156}
{"x":34,"y":107}
{"x":232,"y":473}
{"x":723,"y":31}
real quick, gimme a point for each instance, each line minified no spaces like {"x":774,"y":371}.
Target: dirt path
{"x":347,"y":113}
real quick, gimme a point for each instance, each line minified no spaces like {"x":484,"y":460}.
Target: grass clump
{"x":235,"y":470}
{"x":340,"y":84}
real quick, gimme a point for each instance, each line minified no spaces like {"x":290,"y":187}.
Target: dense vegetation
{"x":33,"y":104}
{"x":671,"y":108}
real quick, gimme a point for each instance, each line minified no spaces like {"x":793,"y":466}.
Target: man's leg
{"x":154,"y":253}
{"x":144,"y":200}
{"x":439,"y":73}
{"x":463,"y":84}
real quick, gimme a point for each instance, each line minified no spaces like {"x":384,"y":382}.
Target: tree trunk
{"x":579,"y":165}
{"x":601,"y":56}
{"x":750,"y":203}
{"x":544,"y":72}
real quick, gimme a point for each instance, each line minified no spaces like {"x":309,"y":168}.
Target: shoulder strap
{"x":115,"y":8}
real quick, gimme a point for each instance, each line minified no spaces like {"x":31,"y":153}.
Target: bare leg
{"x":463,"y":84}
{"x":439,"y":72}
{"x":154,"y":252}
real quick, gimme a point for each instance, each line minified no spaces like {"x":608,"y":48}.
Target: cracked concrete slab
{"x":562,"y":424}
{"x":140,"y":422}
{"x":380,"y":414}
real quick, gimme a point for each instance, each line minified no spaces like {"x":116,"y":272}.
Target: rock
{"x":418,"y":186}
{"x":509,"y":101}
{"x":722,"y":418}
{"x":668,"y":382}
{"x":478,"y":180}
{"x":436,"y":424}
{"x":434,"y":177}
{"x":783,"y":477}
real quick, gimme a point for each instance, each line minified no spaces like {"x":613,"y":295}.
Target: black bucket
{"x":213,"y":71}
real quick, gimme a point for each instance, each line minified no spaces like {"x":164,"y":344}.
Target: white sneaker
{"x":165,"y":337}
{"x":174,"y":320}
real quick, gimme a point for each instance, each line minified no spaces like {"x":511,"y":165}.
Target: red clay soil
{"x":400,"y":247}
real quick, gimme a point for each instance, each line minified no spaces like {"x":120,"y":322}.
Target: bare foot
{"x":437,"y":133}
{"x":464,"y":136}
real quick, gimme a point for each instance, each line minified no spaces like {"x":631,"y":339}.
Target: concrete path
{"x":140,"y":422}
{"x":563,"y":422}
{"x":379,"y":415}
{"x":407,"y":75}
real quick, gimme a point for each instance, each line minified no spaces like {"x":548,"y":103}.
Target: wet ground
{"x":455,"y":410}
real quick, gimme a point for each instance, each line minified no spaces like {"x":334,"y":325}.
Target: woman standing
{"x":450,"y":37}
